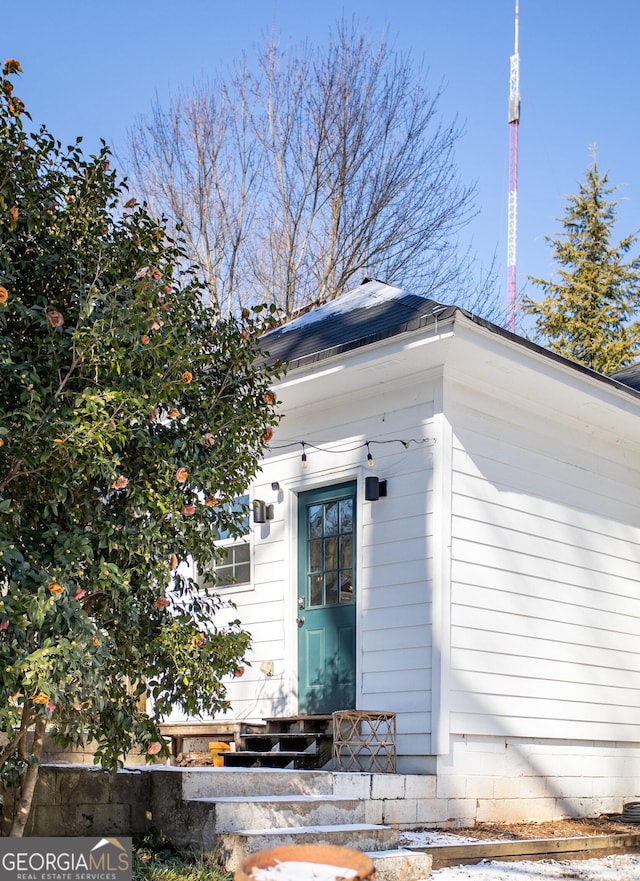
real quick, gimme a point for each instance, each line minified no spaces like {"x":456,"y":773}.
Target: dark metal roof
{"x":629,"y":376}
{"x":375,"y":311}
{"x":370,"y":313}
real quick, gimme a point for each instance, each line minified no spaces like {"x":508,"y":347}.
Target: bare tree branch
{"x":295,"y":176}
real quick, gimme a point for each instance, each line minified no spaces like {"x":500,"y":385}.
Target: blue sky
{"x":91,"y":68}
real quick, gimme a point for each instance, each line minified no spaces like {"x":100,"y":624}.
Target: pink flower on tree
{"x":154,"y":748}
{"x":55,"y":318}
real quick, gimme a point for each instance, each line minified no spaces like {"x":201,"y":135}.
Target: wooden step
{"x":320,"y":724}
{"x":253,"y":759}
{"x":274,"y":759}
{"x":299,"y":742}
{"x":284,"y":736}
{"x":292,"y":742}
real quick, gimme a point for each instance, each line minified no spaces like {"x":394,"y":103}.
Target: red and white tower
{"x":514,"y":124}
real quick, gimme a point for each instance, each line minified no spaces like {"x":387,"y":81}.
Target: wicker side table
{"x":364,"y":740}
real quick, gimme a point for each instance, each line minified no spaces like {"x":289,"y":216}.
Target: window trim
{"x":229,"y":543}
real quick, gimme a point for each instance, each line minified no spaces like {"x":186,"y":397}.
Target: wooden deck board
{"x":582,"y":848}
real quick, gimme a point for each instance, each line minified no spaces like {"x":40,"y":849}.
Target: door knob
{"x":299,"y":621}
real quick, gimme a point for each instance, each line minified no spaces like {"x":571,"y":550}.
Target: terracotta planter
{"x":323,"y":854}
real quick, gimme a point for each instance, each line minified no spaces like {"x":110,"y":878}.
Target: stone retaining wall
{"x":75,"y":800}
{"x":483,"y":780}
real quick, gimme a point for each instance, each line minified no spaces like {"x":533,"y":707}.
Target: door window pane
{"x":346,"y":587}
{"x":346,"y":515}
{"x":315,"y":555}
{"x":346,"y":551}
{"x":331,"y":518}
{"x":315,"y":521}
{"x":331,"y":584}
{"x":315,"y":590}
{"x":331,"y":553}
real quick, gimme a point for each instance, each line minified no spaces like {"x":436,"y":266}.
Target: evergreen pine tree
{"x":588,"y":313}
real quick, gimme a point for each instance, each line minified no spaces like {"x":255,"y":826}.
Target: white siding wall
{"x":545,"y":637}
{"x":394,"y":551}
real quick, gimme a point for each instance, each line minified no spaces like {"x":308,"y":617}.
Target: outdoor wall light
{"x":374,"y":489}
{"x":262,"y":512}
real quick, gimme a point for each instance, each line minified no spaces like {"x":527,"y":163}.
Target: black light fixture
{"x":374,"y":489}
{"x":303,"y":460}
{"x":262,"y":512}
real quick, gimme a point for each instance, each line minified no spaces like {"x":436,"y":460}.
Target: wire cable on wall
{"x":420,"y":441}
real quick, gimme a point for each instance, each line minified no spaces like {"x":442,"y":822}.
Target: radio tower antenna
{"x":514,"y":124}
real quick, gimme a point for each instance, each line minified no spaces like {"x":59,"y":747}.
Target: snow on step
{"x":235,"y":846}
{"x":290,"y":870}
{"x":392,"y":865}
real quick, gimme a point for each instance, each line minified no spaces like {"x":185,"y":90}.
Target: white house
{"x":491,"y":599}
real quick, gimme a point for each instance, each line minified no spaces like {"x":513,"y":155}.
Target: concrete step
{"x":236,"y":812}
{"x":235,"y":846}
{"x":276,"y":811}
{"x":392,"y":865}
{"x":213,"y":782}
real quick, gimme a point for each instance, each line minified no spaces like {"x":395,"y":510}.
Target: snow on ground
{"x":621,"y":867}
{"x":432,"y":837}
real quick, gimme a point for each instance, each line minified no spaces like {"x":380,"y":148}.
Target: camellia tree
{"x":131,"y":417}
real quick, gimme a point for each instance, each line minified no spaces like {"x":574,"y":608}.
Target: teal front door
{"x":326,"y":599}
